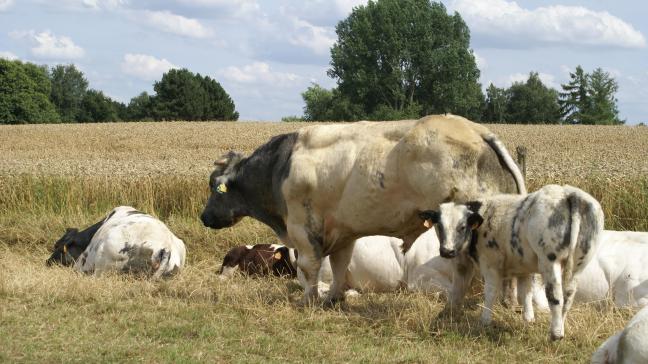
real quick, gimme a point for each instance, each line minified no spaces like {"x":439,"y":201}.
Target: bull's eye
{"x":461,"y":228}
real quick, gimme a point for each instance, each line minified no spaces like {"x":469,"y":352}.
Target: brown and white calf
{"x":554,"y":231}
{"x":260,"y":260}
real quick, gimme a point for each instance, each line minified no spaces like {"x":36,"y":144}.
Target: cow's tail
{"x":161,"y":263}
{"x":586,"y":226}
{"x":506,"y":159}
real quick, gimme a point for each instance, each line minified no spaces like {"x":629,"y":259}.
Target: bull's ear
{"x":475,"y":220}
{"x":429,"y":217}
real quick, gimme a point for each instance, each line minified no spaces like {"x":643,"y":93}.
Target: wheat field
{"x":55,"y":176}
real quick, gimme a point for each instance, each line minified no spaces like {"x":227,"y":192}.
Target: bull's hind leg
{"x":339,"y":264}
{"x":552,"y":276}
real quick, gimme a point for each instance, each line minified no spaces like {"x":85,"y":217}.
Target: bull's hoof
{"x":332,"y":302}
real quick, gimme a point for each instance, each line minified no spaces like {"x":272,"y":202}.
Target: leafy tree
{"x":24,"y":94}
{"x":68,"y":89}
{"x":406,"y":56}
{"x":603,"y":103}
{"x":532,"y":102}
{"x":97,"y":108}
{"x":589,"y":98}
{"x":183,"y":95}
{"x":496,"y":105}
{"x":140,"y":107}
{"x":330,"y":105}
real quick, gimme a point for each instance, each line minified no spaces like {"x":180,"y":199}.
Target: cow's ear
{"x":227,"y":159}
{"x":475,"y":220}
{"x":429,"y":217}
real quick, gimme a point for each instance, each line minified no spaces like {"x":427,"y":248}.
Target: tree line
{"x":31,"y":93}
{"x":393,"y":59}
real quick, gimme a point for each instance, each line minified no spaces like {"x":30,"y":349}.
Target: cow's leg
{"x":525,"y":296}
{"x":492,"y":287}
{"x":462,"y":274}
{"x":308,"y":261}
{"x":339,"y":264}
{"x":552,"y":276}
{"x":570,"y":284}
{"x":510,"y":296}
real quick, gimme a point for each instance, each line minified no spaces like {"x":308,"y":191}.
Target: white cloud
{"x":507,"y":22}
{"x":104,"y":4}
{"x":8,"y":55}
{"x":5,"y":4}
{"x":176,"y":24}
{"x":258,"y":72}
{"x":145,"y":67}
{"x":50,"y":46}
{"x":237,"y":6}
{"x":344,"y":7}
{"x":317,"y":39}
{"x":481,"y":62}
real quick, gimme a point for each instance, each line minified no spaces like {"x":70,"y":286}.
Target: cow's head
{"x":226,"y":205}
{"x":67,"y":249}
{"x":454,"y":225}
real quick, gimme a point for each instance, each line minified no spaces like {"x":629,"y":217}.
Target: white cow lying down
{"x":629,"y":345}
{"x":127,"y":241}
{"x":619,"y":271}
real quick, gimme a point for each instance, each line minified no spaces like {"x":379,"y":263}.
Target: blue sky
{"x":265,"y":53}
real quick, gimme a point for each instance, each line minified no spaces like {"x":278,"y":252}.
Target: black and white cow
{"x":554,"y":231}
{"x":126,"y":241}
{"x":325,"y":186}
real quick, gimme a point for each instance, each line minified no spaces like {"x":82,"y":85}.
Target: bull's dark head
{"x":225,"y":206}
{"x":67,"y":249}
{"x":454,"y":226}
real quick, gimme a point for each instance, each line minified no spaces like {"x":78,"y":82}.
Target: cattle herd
{"x":418,"y":205}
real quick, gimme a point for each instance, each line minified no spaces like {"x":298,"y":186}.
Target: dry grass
{"x":54,"y":176}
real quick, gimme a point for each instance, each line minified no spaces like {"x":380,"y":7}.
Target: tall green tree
{"x":69,"y":86}
{"x":140,"y":107}
{"x":24,"y":94}
{"x":496,"y":105}
{"x":97,"y":108}
{"x":532,"y":102}
{"x":328,"y":105}
{"x":603,"y":103}
{"x":183,"y":95}
{"x":405,"y":55}
{"x":574,"y":100}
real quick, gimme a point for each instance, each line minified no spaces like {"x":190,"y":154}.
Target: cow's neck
{"x":85,"y":236}
{"x":260,"y":177}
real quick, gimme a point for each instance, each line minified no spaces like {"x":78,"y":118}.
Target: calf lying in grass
{"x":554,"y":231}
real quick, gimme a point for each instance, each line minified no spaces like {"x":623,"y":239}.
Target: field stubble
{"x":54,"y":176}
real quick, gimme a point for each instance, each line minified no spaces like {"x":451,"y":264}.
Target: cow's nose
{"x":205,"y":219}
{"x":447,"y":253}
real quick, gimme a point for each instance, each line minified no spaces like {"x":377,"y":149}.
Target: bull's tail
{"x":506,"y":159}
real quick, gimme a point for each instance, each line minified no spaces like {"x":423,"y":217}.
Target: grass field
{"x":54,"y":176}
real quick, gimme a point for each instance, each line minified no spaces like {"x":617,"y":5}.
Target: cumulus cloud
{"x":103,"y":4}
{"x":145,"y":67}
{"x":50,"y":46}
{"x":317,"y":39}
{"x":344,"y":7}
{"x":258,"y":72}
{"x":481,"y":62}
{"x":512,"y":25}
{"x":237,"y":6}
{"x":5,"y":4}
{"x":8,"y":55}
{"x":176,"y":24}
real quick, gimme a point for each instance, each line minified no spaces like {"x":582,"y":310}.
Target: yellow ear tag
{"x":427,"y":223}
{"x":64,"y":249}
{"x":277,"y":255}
{"x":221,"y":188}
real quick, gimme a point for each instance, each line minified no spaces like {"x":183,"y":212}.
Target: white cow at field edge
{"x":127,"y":240}
{"x":629,"y":346}
{"x":554,"y":231}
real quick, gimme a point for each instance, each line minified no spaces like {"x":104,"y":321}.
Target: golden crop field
{"x":55,"y":176}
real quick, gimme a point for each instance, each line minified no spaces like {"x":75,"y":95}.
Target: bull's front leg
{"x":308,"y":261}
{"x":339,"y":264}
